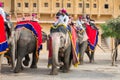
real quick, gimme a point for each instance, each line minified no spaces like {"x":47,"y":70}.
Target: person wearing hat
{"x":34,"y":17}
{"x":2,"y":12}
{"x":81,"y":28}
{"x":79,"y":23}
{"x":91,"y":22}
{"x":62,"y":18}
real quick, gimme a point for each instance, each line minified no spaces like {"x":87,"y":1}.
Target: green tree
{"x":111,"y":28}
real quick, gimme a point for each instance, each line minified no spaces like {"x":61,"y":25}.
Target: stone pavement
{"x":100,"y":70}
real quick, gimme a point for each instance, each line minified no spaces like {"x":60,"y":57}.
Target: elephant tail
{"x":13,"y":40}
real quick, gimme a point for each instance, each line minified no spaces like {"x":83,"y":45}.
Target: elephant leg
{"x":92,"y":57}
{"x":116,"y":48}
{"x":1,"y":57}
{"x":82,"y":48}
{"x":18,"y":65}
{"x":35,"y":60}
{"x":27,"y":59}
{"x":116,"y":56}
{"x":67,"y":59}
{"x":61,"y":59}
{"x":88,"y":54}
{"x":8,"y":56}
{"x":54,"y":70}
{"x":21,"y":52}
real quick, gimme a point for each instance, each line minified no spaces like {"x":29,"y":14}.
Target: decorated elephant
{"x":27,"y":39}
{"x":88,"y":44}
{"x":61,"y":49}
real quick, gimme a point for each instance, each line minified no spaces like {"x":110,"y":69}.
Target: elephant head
{"x":60,"y":44}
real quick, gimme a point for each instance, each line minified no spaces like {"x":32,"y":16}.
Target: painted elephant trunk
{"x":55,"y":50}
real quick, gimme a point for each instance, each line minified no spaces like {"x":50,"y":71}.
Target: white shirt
{"x":63,"y":19}
{"x":3,"y":14}
{"x":79,"y":25}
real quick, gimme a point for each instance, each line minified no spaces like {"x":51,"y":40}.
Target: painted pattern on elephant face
{"x":60,"y":41}
{"x":61,"y":38}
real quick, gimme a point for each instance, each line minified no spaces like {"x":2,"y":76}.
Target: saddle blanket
{"x":35,"y":28}
{"x":92,"y":36}
{"x":73,"y":36}
{"x":3,"y":40}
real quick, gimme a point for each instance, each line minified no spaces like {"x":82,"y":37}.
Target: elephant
{"x":61,"y":49}
{"x":23,"y":43}
{"x":84,"y":47}
{"x":115,"y":52}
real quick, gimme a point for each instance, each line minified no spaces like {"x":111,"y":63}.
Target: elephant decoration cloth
{"x":73,"y":37}
{"x":3,"y":40}
{"x":34,"y":27}
{"x":92,"y":36}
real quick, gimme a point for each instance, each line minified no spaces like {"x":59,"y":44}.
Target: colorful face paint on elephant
{"x":61,"y":50}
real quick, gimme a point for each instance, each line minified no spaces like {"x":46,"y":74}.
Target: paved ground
{"x":100,"y":70}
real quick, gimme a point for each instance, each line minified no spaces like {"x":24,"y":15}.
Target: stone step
{"x":104,"y":45}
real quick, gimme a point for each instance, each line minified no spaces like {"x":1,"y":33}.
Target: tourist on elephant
{"x":79,"y":23}
{"x":81,"y":27}
{"x":91,"y":22}
{"x":34,"y":17}
{"x":62,"y":18}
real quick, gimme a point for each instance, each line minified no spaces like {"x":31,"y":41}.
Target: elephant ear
{"x":80,"y":37}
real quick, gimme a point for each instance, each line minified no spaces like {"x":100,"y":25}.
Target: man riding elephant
{"x":61,"y":52}
{"x":62,"y":18}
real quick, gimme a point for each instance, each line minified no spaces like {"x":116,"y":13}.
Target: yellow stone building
{"x":99,"y":10}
